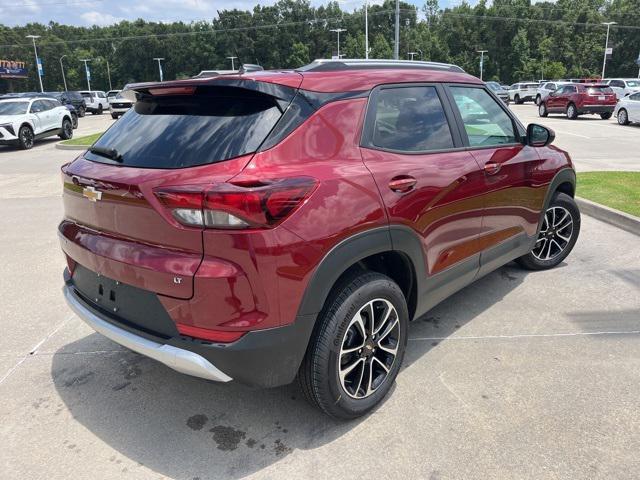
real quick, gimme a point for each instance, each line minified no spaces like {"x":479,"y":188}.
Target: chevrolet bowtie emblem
{"x":92,"y":194}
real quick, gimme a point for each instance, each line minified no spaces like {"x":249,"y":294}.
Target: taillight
{"x":236,"y":205}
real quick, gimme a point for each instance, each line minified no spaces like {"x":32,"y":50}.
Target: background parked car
{"x":111,"y":94}
{"x":500,"y":92}
{"x":624,"y":86}
{"x":578,"y":99}
{"x":119,"y":105}
{"x":523,"y":92}
{"x":628,"y":109}
{"x":546,"y":88}
{"x":24,"y":120}
{"x":96,"y":101}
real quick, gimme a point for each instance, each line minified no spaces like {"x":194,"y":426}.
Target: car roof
{"x":326,"y":78}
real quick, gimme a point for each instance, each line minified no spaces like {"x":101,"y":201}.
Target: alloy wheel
{"x":622,"y":117}
{"x":555,"y":234}
{"x":27,"y":137}
{"x":369,"y":348}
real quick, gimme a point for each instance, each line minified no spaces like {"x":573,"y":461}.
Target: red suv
{"x":579,"y":99}
{"x":265,"y":226}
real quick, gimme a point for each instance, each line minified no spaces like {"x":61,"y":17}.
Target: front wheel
{"x":66,"y":132}
{"x":538,"y":99}
{"x":558,"y":234}
{"x":623,"y":117}
{"x":605,"y":116}
{"x":114,"y":116}
{"x":25,"y":137}
{"x":542,"y":110}
{"x":357,"y":348}
{"x":82,"y":111}
{"x":74,"y":121}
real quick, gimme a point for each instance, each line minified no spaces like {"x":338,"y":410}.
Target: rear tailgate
{"x":115,"y":224}
{"x":601,"y":95}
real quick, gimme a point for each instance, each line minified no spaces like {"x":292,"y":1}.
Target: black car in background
{"x":71,"y":98}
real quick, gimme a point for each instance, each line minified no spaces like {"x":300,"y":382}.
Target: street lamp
{"x":64,"y":80}
{"x":338,"y":30}
{"x":481,"y":52}
{"x":38,"y":65}
{"x":413,"y":54}
{"x":366,"y":30}
{"x":606,"y":45}
{"x":86,"y":71}
{"x":233,"y":65}
{"x":159,"y":59}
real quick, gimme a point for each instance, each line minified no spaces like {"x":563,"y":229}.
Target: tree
{"x":299,"y":55}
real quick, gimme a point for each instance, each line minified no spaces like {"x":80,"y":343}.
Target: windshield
{"x":216,"y":124}
{"x":496,"y":87}
{"x":13,"y":108}
{"x":121,"y":95}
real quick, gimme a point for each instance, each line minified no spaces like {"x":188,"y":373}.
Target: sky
{"x":106,"y":12}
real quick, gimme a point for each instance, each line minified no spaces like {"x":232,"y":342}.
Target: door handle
{"x":491,"y":168}
{"x":402,"y":183}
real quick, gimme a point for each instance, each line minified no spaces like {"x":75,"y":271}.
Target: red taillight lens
{"x":221,"y":336}
{"x":228,"y":205}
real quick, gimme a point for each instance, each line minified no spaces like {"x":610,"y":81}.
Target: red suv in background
{"x":267,"y":225}
{"x":580,"y":99}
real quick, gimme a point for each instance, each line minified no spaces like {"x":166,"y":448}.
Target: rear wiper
{"x":110,"y":153}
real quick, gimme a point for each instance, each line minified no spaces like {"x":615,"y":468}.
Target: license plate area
{"x":601,"y":97}
{"x":124,"y":304}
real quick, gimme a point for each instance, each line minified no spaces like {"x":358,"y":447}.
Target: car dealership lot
{"x":520,"y":375}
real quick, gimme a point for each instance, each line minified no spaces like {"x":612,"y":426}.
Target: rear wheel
{"x":542,"y":110}
{"x":517,"y":99}
{"x":623,"y":117}
{"x":572,"y":112}
{"x":74,"y":121}
{"x":67,"y":130}
{"x":605,"y":116}
{"x":25,"y":137}
{"x":82,"y":111}
{"x":558,"y":234}
{"x":357,"y":348}
{"x":114,"y":116}
{"x":538,"y":99}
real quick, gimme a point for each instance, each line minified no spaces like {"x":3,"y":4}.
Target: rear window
{"x":86,"y":95}
{"x":215,"y":124}
{"x":530,"y":85}
{"x":600,"y":90}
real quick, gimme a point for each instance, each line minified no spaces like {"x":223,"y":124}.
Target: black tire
{"x":538,"y":99}
{"x":605,"y":116}
{"x":561,"y":202}
{"x":623,"y":117}
{"x":114,"y":116}
{"x":319,"y":374}
{"x":516,"y":99}
{"x":25,"y":137}
{"x":100,"y":109}
{"x":67,"y":130}
{"x":82,"y":111}
{"x":74,"y":121}
{"x":572,"y":112}
{"x":542,"y":110}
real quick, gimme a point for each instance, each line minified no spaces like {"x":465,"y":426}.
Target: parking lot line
{"x":527,"y":335}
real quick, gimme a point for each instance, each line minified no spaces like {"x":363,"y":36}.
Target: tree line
{"x":525,"y":41}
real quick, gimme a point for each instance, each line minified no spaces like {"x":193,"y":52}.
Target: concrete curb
{"x":60,"y":146}
{"x":609,"y":215}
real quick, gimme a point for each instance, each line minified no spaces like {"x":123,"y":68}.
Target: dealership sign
{"x":13,"y":69}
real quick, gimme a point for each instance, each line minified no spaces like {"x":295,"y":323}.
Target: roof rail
{"x":328,"y":65}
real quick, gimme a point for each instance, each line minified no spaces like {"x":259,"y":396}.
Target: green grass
{"x":86,"y":140}
{"x":619,"y":190}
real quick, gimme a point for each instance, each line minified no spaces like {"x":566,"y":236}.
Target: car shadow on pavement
{"x":187,"y":428}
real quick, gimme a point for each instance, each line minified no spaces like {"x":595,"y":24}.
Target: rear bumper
{"x":183,"y":361}
{"x":263,"y":358}
{"x":597,"y":109}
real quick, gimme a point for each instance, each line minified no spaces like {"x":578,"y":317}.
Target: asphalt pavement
{"x":519,"y":376}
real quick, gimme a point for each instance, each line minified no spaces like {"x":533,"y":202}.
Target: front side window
{"x":485,"y":122}
{"x":37,"y":106}
{"x":410,"y":119}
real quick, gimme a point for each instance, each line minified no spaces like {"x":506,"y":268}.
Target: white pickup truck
{"x":96,"y":101}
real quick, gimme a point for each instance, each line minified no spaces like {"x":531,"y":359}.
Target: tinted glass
{"x":187,"y":130}
{"x":635,"y":96}
{"x":13,"y":108}
{"x":633,"y":83}
{"x":530,"y":85}
{"x":410,"y":120}
{"x":494,"y":86}
{"x":485,"y":122}
{"x":600,"y":90}
{"x":37,"y":106}
{"x":87,"y":96}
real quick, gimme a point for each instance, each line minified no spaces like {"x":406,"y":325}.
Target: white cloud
{"x":99,"y":18}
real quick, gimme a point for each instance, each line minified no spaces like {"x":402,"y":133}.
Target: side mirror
{"x":539,"y":136}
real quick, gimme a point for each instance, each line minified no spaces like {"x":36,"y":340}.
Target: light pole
{"x":159,"y":60}
{"x":64,"y":80}
{"x":233,"y":65}
{"x":396,"y":43}
{"x":481,"y":52}
{"x":86,"y":71}
{"x":338,"y":30}
{"x":606,"y":46}
{"x":366,"y":30}
{"x":413,"y":54}
{"x":38,"y":65}
{"x":109,"y":75}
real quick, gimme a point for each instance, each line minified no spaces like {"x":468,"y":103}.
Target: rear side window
{"x":485,"y":122}
{"x":410,"y":119}
{"x":215,"y":124}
